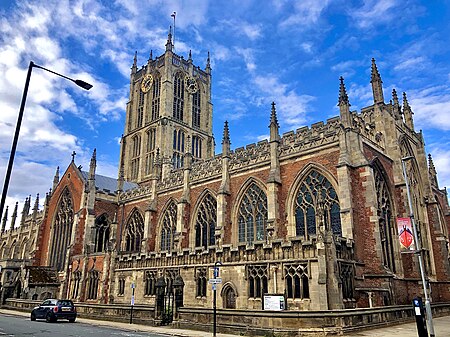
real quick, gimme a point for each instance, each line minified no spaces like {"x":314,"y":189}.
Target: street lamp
{"x":80,"y":83}
{"x":418,"y":250}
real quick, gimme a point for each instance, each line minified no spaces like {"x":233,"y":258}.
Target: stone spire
{"x":56,"y":179}
{"x":150,"y":58}
{"x":344,"y":104}
{"x":208,"y":64}
{"x":14,"y":216}
{"x":5,"y":218}
{"x":169,"y":44}
{"x":134,"y":67}
{"x":35,"y":208}
{"x":274,"y":126}
{"x":377,"y":84}
{"x":407,"y":112}
{"x":397,"y":110}
{"x":432,"y":172}
{"x":90,"y":186}
{"x":226,"y":140}
{"x":190,"y":56}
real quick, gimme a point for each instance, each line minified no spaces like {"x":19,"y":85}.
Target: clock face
{"x":190,"y":84}
{"x":146,"y":83}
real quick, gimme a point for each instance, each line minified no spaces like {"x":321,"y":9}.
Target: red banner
{"x":405,"y":233}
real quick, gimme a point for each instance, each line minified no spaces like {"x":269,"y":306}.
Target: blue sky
{"x":290,"y":52}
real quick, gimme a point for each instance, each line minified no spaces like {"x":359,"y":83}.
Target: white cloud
{"x":374,"y":12}
{"x":305,"y":14}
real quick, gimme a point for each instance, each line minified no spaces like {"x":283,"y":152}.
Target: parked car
{"x":51,"y":310}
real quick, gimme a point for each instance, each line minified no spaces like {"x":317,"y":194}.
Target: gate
{"x":169,"y":297}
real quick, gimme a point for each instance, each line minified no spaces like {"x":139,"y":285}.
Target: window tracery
{"x":201,"y":281}
{"x":297,"y":281}
{"x":178,"y":97}
{"x":385,"y":220}
{"x":257,"y":277}
{"x":62,"y":230}
{"x":133,"y":233}
{"x":316,"y":202}
{"x":178,"y":148}
{"x":92,"y":285}
{"x":101,"y":233}
{"x":156,"y":92}
{"x":169,"y":225}
{"x":196,"y":109}
{"x":252,"y":215}
{"x":205,"y":224}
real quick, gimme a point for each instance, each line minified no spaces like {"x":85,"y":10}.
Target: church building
{"x":310,"y":215}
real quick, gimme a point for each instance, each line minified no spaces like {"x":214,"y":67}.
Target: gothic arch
{"x":386,"y":216}
{"x":3,"y":251}
{"x":12,"y":250}
{"x":249,"y":223}
{"x":24,"y":249}
{"x":229,"y":294}
{"x":204,"y":217}
{"x":62,"y":229}
{"x":167,"y":226}
{"x":102,"y":232}
{"x":133,"y":232}
{"x":331,"y":211}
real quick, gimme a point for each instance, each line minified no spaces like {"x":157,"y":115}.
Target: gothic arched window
{"x":168,"y":228}
{"x":196,"y":147}
{"x":134,"y":231}
{"x":205,"y":224}
{"x":178,"y":97}
{"x":136,"y":151}
{"x":76,"y":283}
{"x":385,"y":219}
{"x":140,"y":114}
{"x":92,"y":285}
{"x":252,"y":215}
{"x":196,"y":109}
{"x":62,"y":230}
{"x":178,"y":148}
{"x":156,"y":92}
{"x":101,"y":233}
{"x":316,"y":202}
{"x":150,"y":150}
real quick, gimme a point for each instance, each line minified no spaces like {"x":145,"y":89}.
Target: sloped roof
{"x":108,"y":184}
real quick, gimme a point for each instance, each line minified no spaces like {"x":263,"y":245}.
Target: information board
{"x":274,"y":302}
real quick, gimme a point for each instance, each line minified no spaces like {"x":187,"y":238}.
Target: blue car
{"x":51,"y":310}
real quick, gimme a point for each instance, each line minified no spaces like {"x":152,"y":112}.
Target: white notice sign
{"x":274,"y":302}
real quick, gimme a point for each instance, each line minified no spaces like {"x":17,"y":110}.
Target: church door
{"x":229,"y":298}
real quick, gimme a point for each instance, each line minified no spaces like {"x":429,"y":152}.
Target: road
{"x":15,"y":326}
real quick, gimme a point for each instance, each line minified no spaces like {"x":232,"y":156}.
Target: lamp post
{"x":32,"y":65}
{"x":418,"y":250}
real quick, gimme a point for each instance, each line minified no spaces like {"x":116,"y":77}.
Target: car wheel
{"x":33,"y":316}
{"x":49,"y":318}
{"x":71,"y":320}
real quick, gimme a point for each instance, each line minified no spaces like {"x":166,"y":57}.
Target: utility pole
{"x":418,"y":251}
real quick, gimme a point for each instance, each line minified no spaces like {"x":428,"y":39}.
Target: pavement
{"x":441,"y":328}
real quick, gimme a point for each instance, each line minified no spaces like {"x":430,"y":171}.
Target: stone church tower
{"x":168,"y":114}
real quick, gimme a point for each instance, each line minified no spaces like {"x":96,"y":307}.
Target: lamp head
{"x":83,"y":84}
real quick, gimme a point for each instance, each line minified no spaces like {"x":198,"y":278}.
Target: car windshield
{"x":65,"y":303}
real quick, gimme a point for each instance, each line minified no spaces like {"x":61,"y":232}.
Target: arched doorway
{"x":229,"y":297}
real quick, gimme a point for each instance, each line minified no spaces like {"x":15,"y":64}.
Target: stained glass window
{"x":169,"y":226}
{"x":206,"y":222}
{"x":252,"y":217}
{"x":316,"y":193}
{"x":134,"y":232}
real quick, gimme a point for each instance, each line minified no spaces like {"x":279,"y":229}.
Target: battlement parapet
{"x":138,"y":192}
{"x":306,"y":138}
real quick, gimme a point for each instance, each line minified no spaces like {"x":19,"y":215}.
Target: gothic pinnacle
{"x":169,"y":44}
{"x":14,"y":215}
{"x":375,"y":75}
{"x":190,"y":55}
{"x":226,"y":133}
{"x":5,"y":219}
{"x":273,"y":116}
{"x":134,"y":67}
{"x":377,"y":84}
{"x":151,"y":55}
{"x":343,"y":97}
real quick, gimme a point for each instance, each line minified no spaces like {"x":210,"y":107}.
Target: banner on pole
{"x":405,"y":233}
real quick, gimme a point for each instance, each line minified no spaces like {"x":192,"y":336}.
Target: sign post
{"x":215,"y":281}
{"x":132,"y":302}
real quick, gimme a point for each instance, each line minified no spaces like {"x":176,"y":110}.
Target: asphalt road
{"x":15,"y":326}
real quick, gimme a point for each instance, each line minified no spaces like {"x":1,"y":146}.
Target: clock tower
{"x":169,"y":111}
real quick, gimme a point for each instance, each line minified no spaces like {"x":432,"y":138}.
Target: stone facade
{"x":310,"y":214}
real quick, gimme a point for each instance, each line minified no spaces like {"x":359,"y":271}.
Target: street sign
{"x":216,"y":272}
{"x":215,"y":281}
{"x":214,"y":286}
{"x":133,"y":286}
